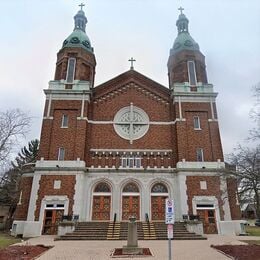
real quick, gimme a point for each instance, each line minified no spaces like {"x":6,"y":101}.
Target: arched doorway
{"x":159,"y":193}
{"x":101,"y":202}
{"x":130,"y":201}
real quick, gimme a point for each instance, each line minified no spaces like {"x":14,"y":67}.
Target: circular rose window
{"x":131,"y":123}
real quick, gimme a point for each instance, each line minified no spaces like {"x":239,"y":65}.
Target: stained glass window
{"x":102,"y":187}
{"x":131,"y":187}
{"x":159,"y":188}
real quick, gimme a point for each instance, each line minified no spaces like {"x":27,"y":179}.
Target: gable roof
{"x":131,"y":76}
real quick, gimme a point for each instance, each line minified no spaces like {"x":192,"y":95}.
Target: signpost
{"x":169,"y":220}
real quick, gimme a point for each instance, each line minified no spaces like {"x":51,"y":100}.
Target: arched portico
{"x":130,"y":201}
{"x":101,"y":201}
{"x":159,"y":192}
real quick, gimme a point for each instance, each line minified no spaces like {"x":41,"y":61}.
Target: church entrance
{"x":159,"y":193}
{"x":130,"y":202}
{"x":52,"y":218}
{"x":101,"y":205}
{"x":208,"y":218}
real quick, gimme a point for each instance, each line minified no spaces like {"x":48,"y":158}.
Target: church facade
{"x":121,"y":148}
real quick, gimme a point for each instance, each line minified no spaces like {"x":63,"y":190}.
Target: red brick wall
{"x":232,"y":191}
{"x":213,"y":189}
{"x":178,"y":69}
{"x":46,"y":188}
{"x":53,"y":136}
{"x":85,"y":64}
{"x":189,"y":139}
{"x":80,"y":137}
{"x":22,"y":209}
{"x":107,"y":108}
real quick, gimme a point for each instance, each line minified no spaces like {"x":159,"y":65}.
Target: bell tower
{"x":65,"y":127}
{"x":76,"y":60}
{"x":186,"y":63}
{"x":194,"y":100}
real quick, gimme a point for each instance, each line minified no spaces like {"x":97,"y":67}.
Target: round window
{"x":131,"y":123}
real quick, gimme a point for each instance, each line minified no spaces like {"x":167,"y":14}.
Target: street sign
{"x":170,"y":231}
{"x":169,"y":211}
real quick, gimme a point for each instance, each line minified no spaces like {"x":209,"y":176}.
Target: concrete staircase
{"x":179,"y":232}
{"x":118,"y":231}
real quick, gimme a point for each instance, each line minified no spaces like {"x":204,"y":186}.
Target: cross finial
{"x":132,"y":60}
{"x":81,"y":6}
{"x":181,"y":9}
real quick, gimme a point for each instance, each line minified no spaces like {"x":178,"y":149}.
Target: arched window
{"x":159,"y":188}
{"x":102,"y":187}
{"x":131,"y":187}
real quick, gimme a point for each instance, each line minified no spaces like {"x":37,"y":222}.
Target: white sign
{"x":169,"y":211}
{"x":170,"y":231}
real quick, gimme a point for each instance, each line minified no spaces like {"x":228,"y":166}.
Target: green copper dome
{"x":78,"y":38}
{"x":184,"y":41}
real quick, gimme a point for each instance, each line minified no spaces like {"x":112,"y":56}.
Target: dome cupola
{"x":184,"y":41}
{"x":79,"y":38}
{"x":76,"y":61}
{"x":186,"y":64}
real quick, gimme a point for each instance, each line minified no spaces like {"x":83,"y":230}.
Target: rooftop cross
{"x":81,"y":6}
{"x":181,"y":9}
{"x":132,"y":60}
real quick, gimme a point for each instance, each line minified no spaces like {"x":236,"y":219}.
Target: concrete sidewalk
{"x":101,"y":250}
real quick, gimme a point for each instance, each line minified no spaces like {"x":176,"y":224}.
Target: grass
{"x":7,"y":240}
{"x":253,"y":231}
{"x":251,"y":242}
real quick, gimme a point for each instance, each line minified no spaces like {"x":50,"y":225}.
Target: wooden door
{"x":51,"y":221}
{"x":101,"y":208}
{"x":130,"y":207}
{"x":208,"y":218}
{"x":158,"y":207}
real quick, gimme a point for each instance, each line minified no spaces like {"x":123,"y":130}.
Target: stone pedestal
{"x":132,"y":239}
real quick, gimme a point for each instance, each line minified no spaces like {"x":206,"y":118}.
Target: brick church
{"x":119,"y":149}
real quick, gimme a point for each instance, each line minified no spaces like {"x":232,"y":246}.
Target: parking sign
{"x":169,"y":211}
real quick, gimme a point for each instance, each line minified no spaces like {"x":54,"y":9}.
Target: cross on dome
{"x":181,"y":9}
{"x":81,"y":6}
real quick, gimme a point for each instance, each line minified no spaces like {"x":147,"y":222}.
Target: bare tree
{"x":254,"y":133}
{"x":247,"y":173}
{"x":14,"y":124}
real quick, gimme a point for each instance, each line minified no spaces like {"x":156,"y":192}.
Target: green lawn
{"x":251,"y":242}
{"x":253,"y":231}
{"x":6,"y":240}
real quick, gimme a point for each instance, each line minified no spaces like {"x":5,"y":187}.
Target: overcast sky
{"x":228,"y":32}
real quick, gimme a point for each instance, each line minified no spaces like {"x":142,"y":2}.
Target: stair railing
{"x":114,"y":223}
{"x":148,"y":222}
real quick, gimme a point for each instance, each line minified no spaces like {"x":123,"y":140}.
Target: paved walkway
{"x":101,"y":250}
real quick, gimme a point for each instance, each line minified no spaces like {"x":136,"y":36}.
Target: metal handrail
{"x":114,"y":223}
{"x":148,"y":222}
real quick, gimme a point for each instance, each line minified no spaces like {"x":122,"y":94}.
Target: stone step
{"x":119,"y":231}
